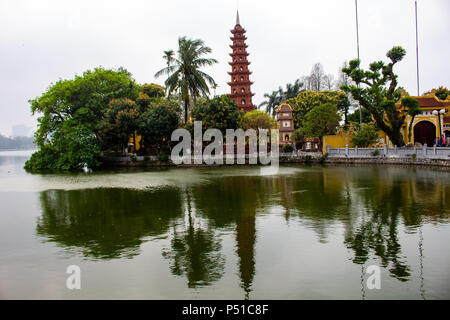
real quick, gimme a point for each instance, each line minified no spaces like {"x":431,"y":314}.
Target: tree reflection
{"x":231,"y":202}
{"x":106,"y":223}
{"x":195,"y":252}
{"x":395,"y":199}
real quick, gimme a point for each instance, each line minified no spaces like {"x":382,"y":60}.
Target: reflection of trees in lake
{"x":232,"y":202}
{"x":106,"y":223}
{"x":396,"y":197}
{"x":372,"y":203}
{"x":195,"y":251}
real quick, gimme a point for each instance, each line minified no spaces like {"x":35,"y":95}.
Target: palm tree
{"x":168,"y":56}
{"x":272,"y":102}
{"x":185,"y":75}
{"x":292,"y":90}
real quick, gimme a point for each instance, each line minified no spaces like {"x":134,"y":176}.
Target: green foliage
{"x":185,"y":74}
{"x":305,"y":101}
{"x":121,"y":122}
{"x":375,"y":153}
{"x":73,"y":147}
{"x":152,"y":90}
{"x":378,"y":92}
{"x":442,"y":93}
{"x":220,"y":113}
{"x":143,"y":102}
{"x":276,"y":97}
{"x":257,"y":120}
{"x":412,"y":106}
{"x":158,"y":122}
{"x":162,"y":156}
{"x":79,"y":105}
{"x":366,"y":116}
{"x":365,"y":135}
{"x":299,"y":136}
{"x":321,"y":120}
{"x":288,"y":148}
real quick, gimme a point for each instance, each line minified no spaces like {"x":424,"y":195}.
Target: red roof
{"x":431,"y":101}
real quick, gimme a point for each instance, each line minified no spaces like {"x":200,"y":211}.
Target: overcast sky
{"x":42,"y":41}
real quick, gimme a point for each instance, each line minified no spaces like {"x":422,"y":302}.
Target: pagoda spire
{"x":240,"y":74}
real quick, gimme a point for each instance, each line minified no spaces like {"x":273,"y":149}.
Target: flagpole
{"x":417,"y":51}
{"x":357,"y":49}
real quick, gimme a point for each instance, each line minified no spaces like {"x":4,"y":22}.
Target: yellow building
{"x":433,"y":123}
{"x":425,"y":128}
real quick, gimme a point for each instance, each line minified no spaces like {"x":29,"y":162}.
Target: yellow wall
{"x":336,"y":141}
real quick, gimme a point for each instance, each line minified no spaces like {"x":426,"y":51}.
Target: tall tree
{"x":328,"y":81}
{"x":71,"y":114}
{"x":185,"y":73}
{"x":305,"y":101}
{"x":168,"y":56}
{"x":272,"y":101}
{"x":378,"y":92}
{"x":317,"y":77}
{"x":292,"y":90}
{"x":321,"y":120}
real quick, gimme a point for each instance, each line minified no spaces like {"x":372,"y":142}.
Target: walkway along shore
{"x":397,"y":156}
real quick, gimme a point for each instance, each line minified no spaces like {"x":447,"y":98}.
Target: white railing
{"x":404,"y":152}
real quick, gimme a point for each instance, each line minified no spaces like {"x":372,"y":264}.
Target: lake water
{"x":309,"y":232}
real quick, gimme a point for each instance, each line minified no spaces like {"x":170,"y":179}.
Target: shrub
{"x":288,"y":148}
{"x":133,"y":159}
{"x":365,"y":136}
{"x":375,"y":153}
{"x":164,"y":157}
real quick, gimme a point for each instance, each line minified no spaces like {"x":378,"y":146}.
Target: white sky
{"x":42,"y":41}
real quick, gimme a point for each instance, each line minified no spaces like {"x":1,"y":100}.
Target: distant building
{"x":285,"y":122}
{"x":426,"y":125}
{"x":240,"y":75}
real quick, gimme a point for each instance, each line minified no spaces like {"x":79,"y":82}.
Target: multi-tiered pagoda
{"x":240,"y":75}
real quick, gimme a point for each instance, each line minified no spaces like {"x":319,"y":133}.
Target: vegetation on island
{"x":104,"y":111}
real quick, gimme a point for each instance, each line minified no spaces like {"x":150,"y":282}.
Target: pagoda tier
{"x":240,"y":83}
{"x":243,"y":63}
{"x":232,"y":46}
{"x":239,"y":94}
{"x":235,"y":73}
{"x":237,"y":54}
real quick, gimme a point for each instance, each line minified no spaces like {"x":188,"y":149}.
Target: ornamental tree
{"x":257,"y":120}
{"x":321,"y":120}
{"x":377,"y":91}
{"x":305,"y":101}
{"x":220,"y":113}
